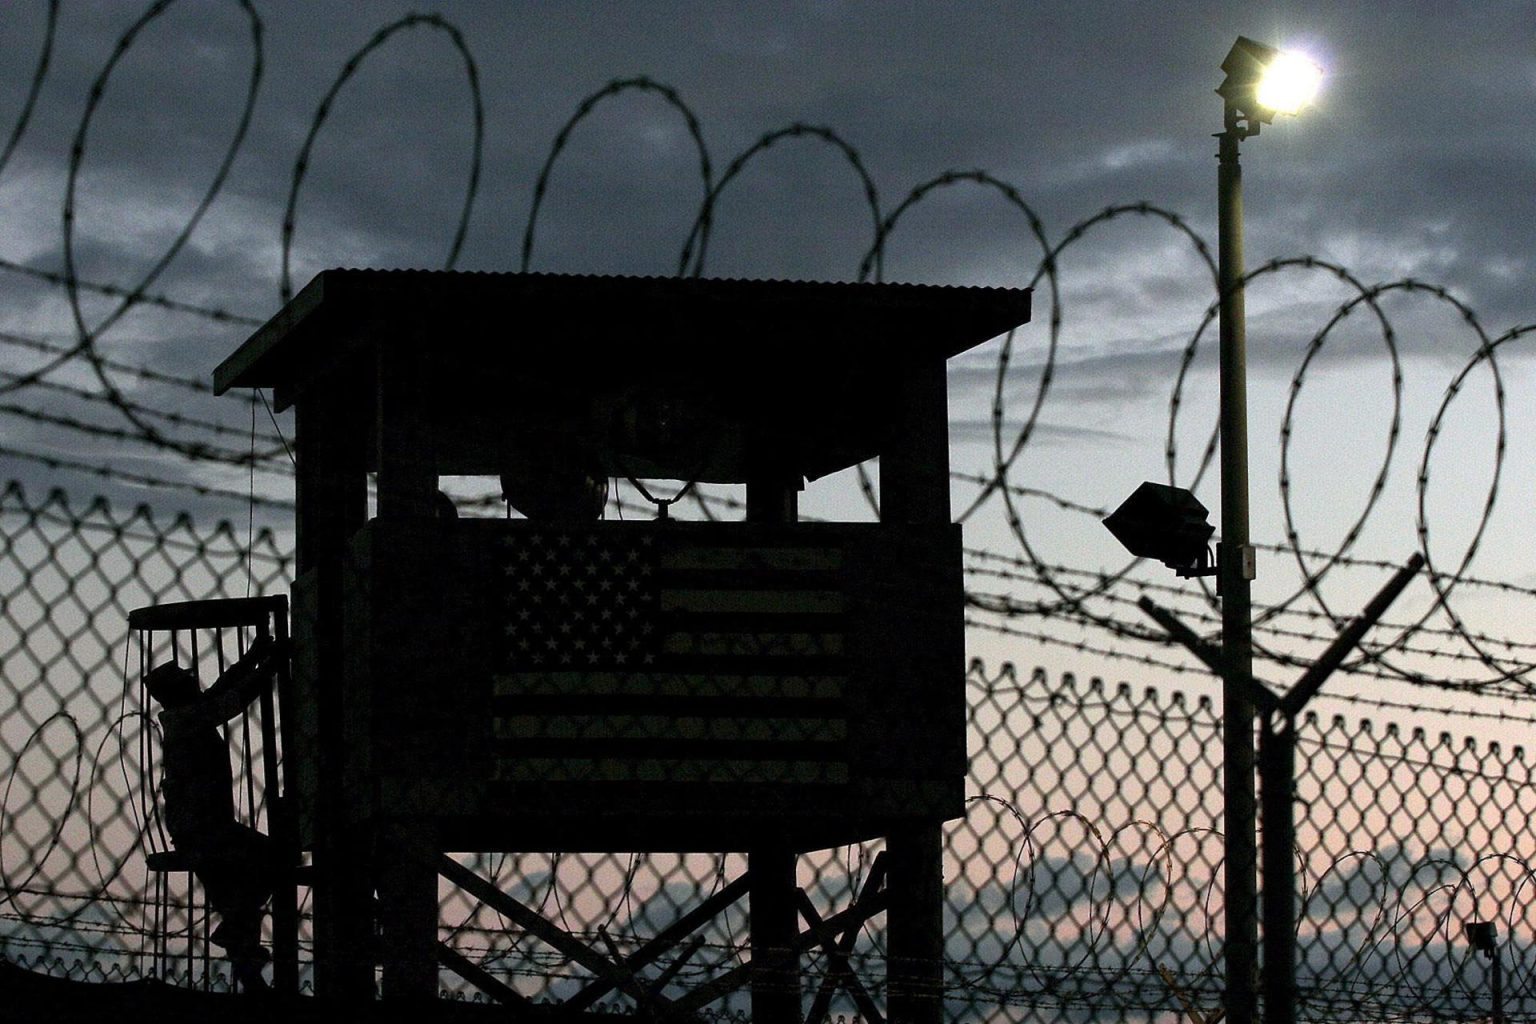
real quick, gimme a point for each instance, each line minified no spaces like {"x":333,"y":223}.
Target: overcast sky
{"x":1418,"y":162}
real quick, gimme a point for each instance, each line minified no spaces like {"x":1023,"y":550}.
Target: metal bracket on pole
{"x":1277,"y":760}
{"x":1313,"y":678}
{"x":1208,"y":653}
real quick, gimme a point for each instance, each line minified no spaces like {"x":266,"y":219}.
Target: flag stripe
{"x":701,"y":686}
{"x":729,"y":664}
{"x":753,"y":645}
{"x":795,"y":621}
{"x":643,"y":704}
{"x":739,"y":750}
{"x":770,"y":578}
{"x":679,"y":728}
{"x":572,"y":769}
{"x":753,"y":602}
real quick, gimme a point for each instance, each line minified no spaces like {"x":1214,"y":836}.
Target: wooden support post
{"x":914,"y":491}
{"x":914,"y":922}
{"x":773,"y":914}
{"x":285,"y":851}
{"x":332,"y":481}
{"x":773,"y":499}
{"x":914,"y":460}
{"x":332,"y":491}
{"x":407,"y":466}
{"x":344,"y":881}
{"x":773,"y":488}
{"x":408,"y":911}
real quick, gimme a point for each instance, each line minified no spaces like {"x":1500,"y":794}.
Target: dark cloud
{"x":1052,"y":434}
{"x":1407,"y":167}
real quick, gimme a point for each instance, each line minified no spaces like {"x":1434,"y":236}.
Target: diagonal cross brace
{"x":1208,"y":653}
{"x":553,"y":935}
{"x":663,"y":941}
{"x":1305,"y":688}
{"x":826,"y":931}
{"x":840,"y":972}
{"x":678,"y":963}
{"x":872,"y":899}
{"x":1349,"y":637}
{"x":482,"y":979}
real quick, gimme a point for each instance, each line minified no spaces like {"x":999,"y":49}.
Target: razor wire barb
{"x":1088,"y":858}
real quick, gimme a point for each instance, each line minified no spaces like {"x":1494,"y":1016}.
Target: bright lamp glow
{"x":1288,"y":83}
{"x":1263,"y":81}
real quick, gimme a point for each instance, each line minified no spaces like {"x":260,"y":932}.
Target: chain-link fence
{"x":1082,"y":883}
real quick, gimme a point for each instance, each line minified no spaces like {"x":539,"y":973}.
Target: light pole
{"x":1484,"y":937}
{"x":1260,"y":83}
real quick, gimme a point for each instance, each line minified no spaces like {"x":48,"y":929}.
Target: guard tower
{"x":553,"y":684}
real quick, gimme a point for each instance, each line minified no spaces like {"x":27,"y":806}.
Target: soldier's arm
{"x":240,"y":684}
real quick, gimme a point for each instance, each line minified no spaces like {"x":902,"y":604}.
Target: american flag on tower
{"x":671,"y":653}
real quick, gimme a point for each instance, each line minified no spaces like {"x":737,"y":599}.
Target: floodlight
{"x":1165,"y":523}
{"x":1263,"y":81}
{"x":1483,"y":937}
{"x":1288,"y":84}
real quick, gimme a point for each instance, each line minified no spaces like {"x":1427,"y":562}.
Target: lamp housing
{"x":1166,"y":523}
{"x":1483,"y":937}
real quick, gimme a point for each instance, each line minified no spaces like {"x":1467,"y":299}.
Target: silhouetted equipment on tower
{"x":559,"y":683}
{"x":1168,"y":524}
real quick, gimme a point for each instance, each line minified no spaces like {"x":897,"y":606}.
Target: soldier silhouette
{"x":232,"y":861}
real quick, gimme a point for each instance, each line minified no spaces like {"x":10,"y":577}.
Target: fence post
{"x":1277,"y":770}
{"x":1277,"y":788}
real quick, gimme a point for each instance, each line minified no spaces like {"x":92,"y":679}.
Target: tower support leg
{"x":915,"y":962}
{"x":775,"y":965}
{"x":408,"y":912}
{"x":344,"y":920}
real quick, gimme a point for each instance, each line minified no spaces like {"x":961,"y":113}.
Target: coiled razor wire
{"x":1096,"y":946}
{"x":1073,"y":600}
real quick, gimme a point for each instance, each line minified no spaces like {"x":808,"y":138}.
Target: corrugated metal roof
{"x":800,"y":319}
